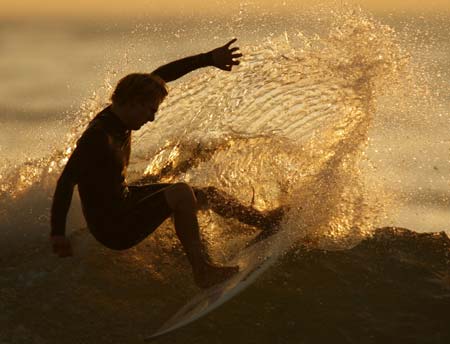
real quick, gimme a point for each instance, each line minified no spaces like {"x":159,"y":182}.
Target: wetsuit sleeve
{"x":90,"y":148}
{"x":63,"y":194}
{"x":177,"y":69}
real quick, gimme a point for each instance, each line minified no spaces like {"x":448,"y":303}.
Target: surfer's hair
{"x":137,"y":87}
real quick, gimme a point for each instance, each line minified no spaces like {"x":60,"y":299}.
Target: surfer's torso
{"x":98,"y":165}
{"x":105,"y":147}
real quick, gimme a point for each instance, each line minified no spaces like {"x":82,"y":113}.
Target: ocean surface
{"x":340,"y":114}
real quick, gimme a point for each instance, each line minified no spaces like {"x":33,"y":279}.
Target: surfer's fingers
{"x":67,"y":249}
{"x":56,"y":246}
{"x":62,"y":248}
{"x":230,"y":42}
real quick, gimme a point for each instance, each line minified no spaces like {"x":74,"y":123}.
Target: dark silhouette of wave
{"x":393,"y":287}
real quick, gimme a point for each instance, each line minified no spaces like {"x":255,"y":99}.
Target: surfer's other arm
{"x":92,"y":159}
{"x":63,"y":197}
{"x":223,"y":58}
{"x":60,"y":207}
{"x":61,"y":201}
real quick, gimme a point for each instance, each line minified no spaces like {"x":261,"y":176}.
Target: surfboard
{"x":252,"y":262}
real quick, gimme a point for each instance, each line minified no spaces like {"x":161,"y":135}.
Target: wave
{"x":393,"y":285}
{"x":289,"y":126}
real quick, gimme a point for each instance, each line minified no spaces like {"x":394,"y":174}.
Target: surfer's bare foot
{"x":211,"y":274}
{"x":272,"y":219}
{"x":270,"y":226}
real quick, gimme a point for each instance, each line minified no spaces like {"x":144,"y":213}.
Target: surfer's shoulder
{"x":95,"y":135}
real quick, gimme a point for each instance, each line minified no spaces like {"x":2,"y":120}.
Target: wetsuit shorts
{"x":145,"y":210}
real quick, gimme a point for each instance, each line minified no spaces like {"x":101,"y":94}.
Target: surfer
{"x":120,"y":215}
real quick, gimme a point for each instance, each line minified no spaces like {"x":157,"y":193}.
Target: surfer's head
{"x":137,"y":87}
{"x":137,"y":97}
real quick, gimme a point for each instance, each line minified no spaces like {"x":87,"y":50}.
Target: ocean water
{"x":53,"y":71}
{"x":340,"y":114}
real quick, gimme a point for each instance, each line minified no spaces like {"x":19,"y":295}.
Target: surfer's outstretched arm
{"x":227,"y":206}
{"x":222,"y":57}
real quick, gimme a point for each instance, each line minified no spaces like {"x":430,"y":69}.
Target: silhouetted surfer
{"x":120,"y":215}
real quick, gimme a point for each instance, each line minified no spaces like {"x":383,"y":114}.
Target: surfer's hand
{"x":224,"y":57}
{"x":61,"y":246}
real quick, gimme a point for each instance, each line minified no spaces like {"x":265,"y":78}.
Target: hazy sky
{"x":98,"y":8}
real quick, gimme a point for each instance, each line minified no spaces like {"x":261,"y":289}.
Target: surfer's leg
{"x":141,"y":213}
{"x":181,"y":199}
{"x":228,"y":207}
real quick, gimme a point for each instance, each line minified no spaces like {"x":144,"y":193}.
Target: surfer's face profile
{"x":137,"y":97}
{"x":140,"y":112}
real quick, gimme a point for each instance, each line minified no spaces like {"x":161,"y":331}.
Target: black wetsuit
{"x":118,"y":215}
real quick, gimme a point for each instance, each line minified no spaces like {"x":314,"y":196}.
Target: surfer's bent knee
{"x":180,"y":194}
